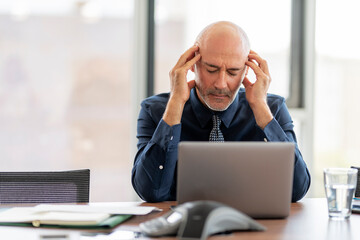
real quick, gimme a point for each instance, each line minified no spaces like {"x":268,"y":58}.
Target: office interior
{"x":73,"y":74}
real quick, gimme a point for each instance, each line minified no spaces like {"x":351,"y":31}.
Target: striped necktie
{"x":216,"y":134}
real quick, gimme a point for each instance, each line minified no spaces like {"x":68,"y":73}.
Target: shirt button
{"x":171,"y":138}
{"x":265,"y":140}
{"x":161,"y":167}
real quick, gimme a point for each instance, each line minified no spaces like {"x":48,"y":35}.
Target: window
{"x":336,"y":142}
{"x":179,"y":22}
{"x":64,"y":90}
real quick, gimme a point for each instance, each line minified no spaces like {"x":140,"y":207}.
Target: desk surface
{"x":308,"y":220}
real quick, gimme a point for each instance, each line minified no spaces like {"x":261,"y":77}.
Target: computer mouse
{"x":205,"y":218}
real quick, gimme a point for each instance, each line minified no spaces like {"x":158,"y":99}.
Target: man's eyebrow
{"x":215,"y":66}
{"x":211,"y":65}
{"x":234,"y":69}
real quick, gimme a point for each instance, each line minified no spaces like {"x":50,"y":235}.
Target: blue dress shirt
{"x":154,"y":171}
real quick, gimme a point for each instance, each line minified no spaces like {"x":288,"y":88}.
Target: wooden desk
{"x":308,"y":220}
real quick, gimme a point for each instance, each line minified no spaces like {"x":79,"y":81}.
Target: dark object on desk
{"x":198,"y":220}
{"x":357,"y":190}
{"x":45,"y":187}
{"x":355,"y":208}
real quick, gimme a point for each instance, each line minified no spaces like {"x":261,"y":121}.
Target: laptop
{"x":253,"y":177}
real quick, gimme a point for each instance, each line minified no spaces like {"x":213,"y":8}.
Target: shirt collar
{"x":204,"y":115}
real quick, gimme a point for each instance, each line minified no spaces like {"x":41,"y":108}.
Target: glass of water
{"x":340,"y":185}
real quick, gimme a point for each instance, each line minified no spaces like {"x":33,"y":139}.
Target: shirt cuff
{"x":167,"y":137}
{"x":274,"y":132}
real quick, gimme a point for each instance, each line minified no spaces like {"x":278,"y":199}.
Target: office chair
{"x":45,"y":187}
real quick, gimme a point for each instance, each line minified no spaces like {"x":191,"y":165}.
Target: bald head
{"x":226,"y":35}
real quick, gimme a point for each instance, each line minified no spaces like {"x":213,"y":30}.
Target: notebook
{"x":253,"y":177}
{"x":84,"y":216}
{"x":27,"y":216}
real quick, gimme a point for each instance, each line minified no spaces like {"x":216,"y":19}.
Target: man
{"x":220,"y":60}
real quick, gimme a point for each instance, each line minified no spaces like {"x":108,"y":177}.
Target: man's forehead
{"x":233,"y":61}
{"x":224,"y":42}
{"x":232,"y":67}
{"x":221,"y":52}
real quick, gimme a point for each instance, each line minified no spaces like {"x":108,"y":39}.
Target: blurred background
{"x":73,"y":73}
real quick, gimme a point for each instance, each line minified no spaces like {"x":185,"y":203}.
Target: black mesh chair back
{"x":45,"y":187}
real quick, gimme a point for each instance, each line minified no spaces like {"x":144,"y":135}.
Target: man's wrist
{"x":262,"y":114}
{"x":173,"y":111}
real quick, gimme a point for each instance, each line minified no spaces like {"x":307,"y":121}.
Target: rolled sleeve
{"x":167,"y":137}
{"x":274,"y":132}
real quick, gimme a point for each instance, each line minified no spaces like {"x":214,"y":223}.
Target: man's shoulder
{"x":275,"y":99}
{"x":156,"y":101}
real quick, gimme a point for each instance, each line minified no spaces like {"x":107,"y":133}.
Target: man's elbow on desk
{"x":151,"y":195}
{"x":148,"y":193}
{"x":300,"y":190}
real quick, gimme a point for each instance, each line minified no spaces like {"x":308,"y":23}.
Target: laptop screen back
{"x":253,"y":177}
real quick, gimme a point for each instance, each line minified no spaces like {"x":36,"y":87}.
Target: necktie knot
{"x":216,"y":134}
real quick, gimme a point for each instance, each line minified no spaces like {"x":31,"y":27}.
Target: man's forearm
{"x":173,"y":111}
{"x":262,"y":114}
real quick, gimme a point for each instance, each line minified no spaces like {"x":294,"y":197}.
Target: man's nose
{"x":220,"y":82}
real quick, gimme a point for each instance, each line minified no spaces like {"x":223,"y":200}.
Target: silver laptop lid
{"x":253,"y":177}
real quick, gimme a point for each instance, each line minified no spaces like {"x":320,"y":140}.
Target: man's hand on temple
{"x":256,"y":93}
{"x":180,"y":88}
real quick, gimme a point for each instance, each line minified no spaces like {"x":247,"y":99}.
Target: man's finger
{"x":246,"y":82}
{"x":261,"y":62}
{"x":190,"y":63}
{"x":253,"y":52}
{"x":186,"y":55}
{"x":260,"y":75}
{"x":257,"y":70}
